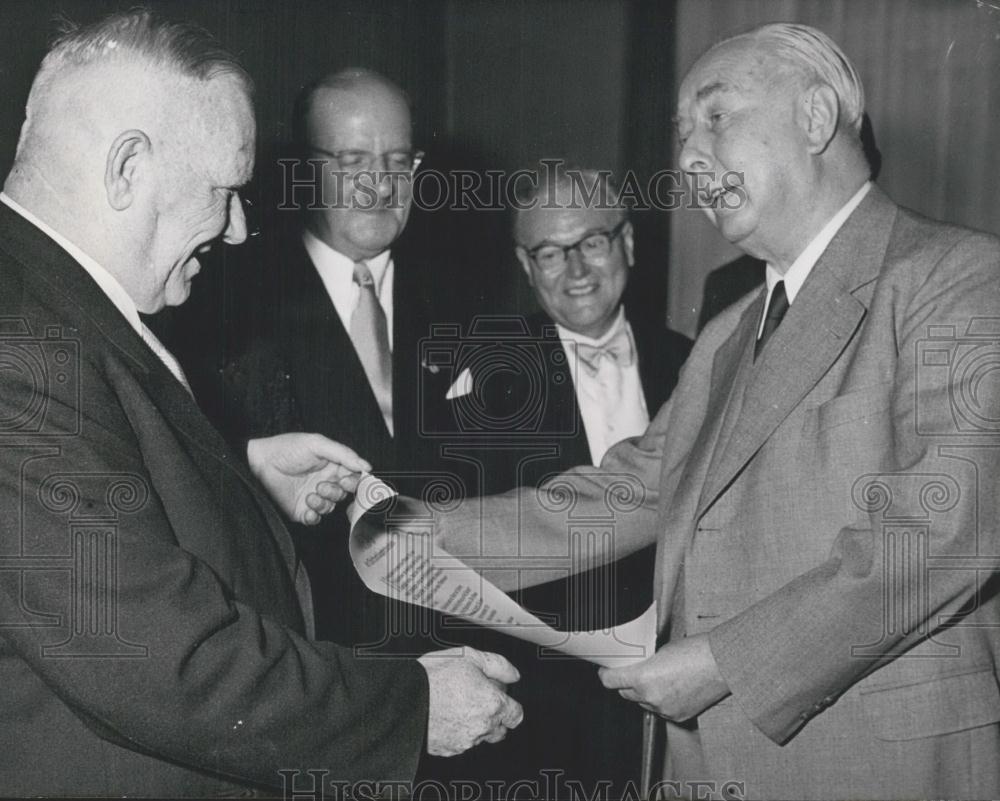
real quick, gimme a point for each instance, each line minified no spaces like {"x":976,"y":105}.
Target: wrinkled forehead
{"x":549,"y":221}
{"x":739,"y":66}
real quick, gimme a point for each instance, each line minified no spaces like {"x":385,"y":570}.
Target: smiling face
{"x":739,"y":127}
{"x":363,"y":217}
{"x":585,"y":295}
{"x":196,"y":201}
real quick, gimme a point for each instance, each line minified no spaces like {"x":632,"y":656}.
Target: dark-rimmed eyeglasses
{"x":594,"y":248}
{"x":364,"y":160}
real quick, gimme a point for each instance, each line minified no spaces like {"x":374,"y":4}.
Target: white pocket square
{"x":462,"y":386}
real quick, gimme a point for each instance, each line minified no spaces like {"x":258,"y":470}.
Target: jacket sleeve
{"x":198,"y":676}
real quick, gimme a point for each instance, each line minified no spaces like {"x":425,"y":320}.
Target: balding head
{"x":357,"y":123}
{"x":124,"y":118}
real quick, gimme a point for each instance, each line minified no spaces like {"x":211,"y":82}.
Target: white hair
{"x":132,"y":39}
{"x":818,"y":58}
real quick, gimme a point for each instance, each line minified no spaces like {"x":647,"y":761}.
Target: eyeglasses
{"x":251,"y":213}
{"x":593,"y":248}
{"x":358,"y":160}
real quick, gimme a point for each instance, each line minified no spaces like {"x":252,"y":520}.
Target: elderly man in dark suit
{"x":155,"y":623}
{"x":540,"y":395}
{"x":822,"y":483}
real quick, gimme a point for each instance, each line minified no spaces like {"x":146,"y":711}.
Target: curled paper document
{"x":395,"y":556}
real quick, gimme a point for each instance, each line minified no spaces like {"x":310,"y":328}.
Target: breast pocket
{"x":842,"y":440}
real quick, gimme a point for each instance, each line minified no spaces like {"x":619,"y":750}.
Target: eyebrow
{"x":705,"y":92}
{"x":717,"y":87}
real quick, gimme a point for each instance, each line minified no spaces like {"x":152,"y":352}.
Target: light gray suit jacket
{"x":828,"y":515}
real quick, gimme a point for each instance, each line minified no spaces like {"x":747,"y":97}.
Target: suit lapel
{"x":652,"y":366}
{"x":561,"y":402}
{"x":45,"y":260}
{"x":816,"y":330}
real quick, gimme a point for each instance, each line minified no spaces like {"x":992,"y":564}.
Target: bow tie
{"x":617,"y":349}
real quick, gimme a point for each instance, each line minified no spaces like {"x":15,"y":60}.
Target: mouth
{"x":581,"y":291}
{"x":724,"y":198}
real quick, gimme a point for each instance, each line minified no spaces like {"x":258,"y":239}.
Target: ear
{"x":120,"y":169}
{"x":525,"y":259}
{"x":820,"y":112}
{"x":628,"y":239}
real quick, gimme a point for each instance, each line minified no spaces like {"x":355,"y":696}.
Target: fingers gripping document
{"x":395,"y":556}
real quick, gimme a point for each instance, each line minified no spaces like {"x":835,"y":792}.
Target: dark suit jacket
{"x":299,"y":371}
{"x":727,"y":284}
{"x":521,"y":424}
{"x":827,"y":515}
{"x":155,"y":624}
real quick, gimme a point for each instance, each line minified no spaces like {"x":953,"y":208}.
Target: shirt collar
{"x":796,"y":275}
{"x":339,"y":268}
{"x":105,"y":280}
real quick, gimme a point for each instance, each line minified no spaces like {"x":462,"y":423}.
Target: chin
{"x":178,"y":295}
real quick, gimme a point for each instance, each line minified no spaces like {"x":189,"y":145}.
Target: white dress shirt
{"x":612,"y":403}
{"x":337,"y":273}
{"x":109,"y":285}
{"x":795,"y":276}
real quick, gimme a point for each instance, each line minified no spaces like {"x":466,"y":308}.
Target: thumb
{"x":493,"y":665}
{"x":616,"y":678}
{"x":335,"y":452}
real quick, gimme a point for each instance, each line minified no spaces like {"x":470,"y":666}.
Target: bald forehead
{"x":738,"y":65}
{"x":356,"y":96}
{"x":551,"y":222}
{"x":220,"y":121}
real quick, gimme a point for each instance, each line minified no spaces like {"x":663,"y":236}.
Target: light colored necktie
{"x":370,"y":336}
{"x":165,"y":356}
{"x":617,"y":349}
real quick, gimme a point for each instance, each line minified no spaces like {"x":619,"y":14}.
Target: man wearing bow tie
{"x":604,"y":373}
{"x":577,"y":255}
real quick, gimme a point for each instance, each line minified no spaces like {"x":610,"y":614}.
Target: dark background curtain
{"x":497,"y":84}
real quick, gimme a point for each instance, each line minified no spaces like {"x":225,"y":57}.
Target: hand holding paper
{"x":679,"y":681}
{"x":305,"y":474}
{"x":468,"y":704}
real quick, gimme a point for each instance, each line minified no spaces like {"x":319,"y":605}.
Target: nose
{"x":576,"y":267}
{"x":236,"y":224}
{"x":694,"y":155}
{"x":384,"y":186}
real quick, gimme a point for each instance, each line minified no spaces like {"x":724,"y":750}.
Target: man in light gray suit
{"x":822,"y":483}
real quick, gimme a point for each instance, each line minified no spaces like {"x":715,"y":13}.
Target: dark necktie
{"x":776,"y":308}
{"x":370,"y":336}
